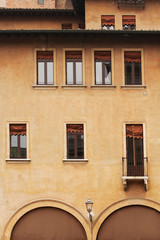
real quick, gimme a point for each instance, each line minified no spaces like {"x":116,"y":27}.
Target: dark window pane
{"x":80,"y":146}
{"x":14,"y":146}
{"x":128,"y":73}
{"x":71,"y":149}
{"x":138,"y":80}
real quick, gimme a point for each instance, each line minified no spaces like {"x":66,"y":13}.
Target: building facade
{"x":79,"y":119}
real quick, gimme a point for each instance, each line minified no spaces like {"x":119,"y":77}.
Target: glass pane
{"x":40,"y":72}
{"x":138,"y":79}
{"x":107,"y":73}
{"x":128,"y":73}
{"x":70,"y":144}
{"x":78,"y":72}
{"x":98,"y":72}
{"x":49,"y":72}
{"x":80,"y":146}
{"x":14,"y":146}
{"x":69,"y":72}
{"x":23,"y":146}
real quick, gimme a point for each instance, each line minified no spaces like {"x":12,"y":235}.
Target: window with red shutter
{"x":18,"y":141}
{"x":45,"y":68}
{"x":75,"y":141}
{"x":129,"y":22}
{"x":74,"y":72}
{"x":103,"y":67}
{"x":133,"y":72}
{"x":108,"y":22}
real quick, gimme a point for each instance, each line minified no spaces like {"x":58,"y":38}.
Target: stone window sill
{"x":133,"y":86}
{"x":75,"y":160}
{"x":51,"y":86}
{"x":18,"y":160}
{"x":103,"y":86}
{"x":73,"y":86}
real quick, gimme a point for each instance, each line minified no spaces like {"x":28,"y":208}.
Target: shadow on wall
{"x":63,"y":4}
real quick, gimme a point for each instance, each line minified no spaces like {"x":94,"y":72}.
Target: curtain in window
{"x":129,"y":20}
{"x":104,"y":56}
{"x":74,"y":128}
{"x":45,"y":55}
{"x":74,"y":55}
{"x":17,"y":129}
{"x":132,"y":57}
{"x":107,"y":20}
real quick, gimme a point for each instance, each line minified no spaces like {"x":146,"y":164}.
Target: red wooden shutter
{"x":45,"y":55}
{"x":129,"y":20}
{"x":132,"y":56}
{"x":17,"y":129}
{"x":105,"y":56}
{"x":107,"y":20}
{"x":74,"y":55}
{"x":75,"y":128}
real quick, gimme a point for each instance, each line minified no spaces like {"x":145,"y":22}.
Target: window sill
{"x":133,"y":86}
{"x":75,"y":160}
{"x":103,"y":86}
{"x":45,"y":86}
{"x":74,"y":86}
{"x":18,"y":160}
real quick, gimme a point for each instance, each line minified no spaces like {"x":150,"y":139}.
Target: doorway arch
{"x":132,"y":222}
{"x":50,"y":208}
{"x":48,"y":223}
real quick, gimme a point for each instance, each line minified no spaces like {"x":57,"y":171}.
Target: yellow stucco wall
{"x":46,"y":111}
{"x":37,"y":22}
{"x":146,"y":19}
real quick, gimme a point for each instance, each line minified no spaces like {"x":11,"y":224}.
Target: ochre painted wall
{"x":104,"y":111}
{"x":37,"y":22}
{"x":146,"y":19}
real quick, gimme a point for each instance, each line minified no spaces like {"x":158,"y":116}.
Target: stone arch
{"x":110,"y":213}
{"x":43,"y":206}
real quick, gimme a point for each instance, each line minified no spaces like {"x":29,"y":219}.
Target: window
{"x":134,"y":149}
{"x":103,"y":67}
{"x":45,"y":66}
{"x":108,"y":22}
{"x":40,"y":2}
{"x":132,"y":61}
{"x":66,"y":26}
{"x":18,"y":141}
{"x":75,"y":141}
{"x":129,"y":22}
{"x":74,"y":67}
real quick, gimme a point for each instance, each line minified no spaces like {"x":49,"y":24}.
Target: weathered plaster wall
{"x":37,"y":22}
{"x":47,"y":110}
{"x":34,"y":4}
{"x":146,"y":19}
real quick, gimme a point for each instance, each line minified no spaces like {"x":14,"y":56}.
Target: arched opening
{"x":131,"y":222}
{"x":48,"y":223}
